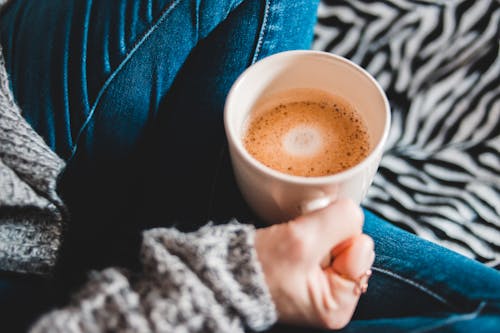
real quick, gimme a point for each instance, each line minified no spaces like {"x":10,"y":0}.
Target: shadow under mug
{"x":279,"y":197}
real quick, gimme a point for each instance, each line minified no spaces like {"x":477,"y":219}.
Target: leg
{"x":454,"y":282}
{"x":89,"y":75}
{"x":199,"y":176}
{"x":101,"y":94}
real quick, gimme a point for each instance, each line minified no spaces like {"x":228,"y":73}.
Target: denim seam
{"x":262,"y":32}
{"x":452,"y":320}
{"x":414,"y":284}
{"x":65,"y":89}
{"x":197,"y":27}
{"x":167,"y":10}
{"x":84,"y":72}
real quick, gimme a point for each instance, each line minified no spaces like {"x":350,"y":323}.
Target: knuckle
{"x":354,"y":210}
{"x":296,"y":239}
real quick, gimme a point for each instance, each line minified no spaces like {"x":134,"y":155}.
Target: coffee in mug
{"x":306,"y":132}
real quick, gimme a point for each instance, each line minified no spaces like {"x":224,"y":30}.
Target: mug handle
{"x":310,"y":206}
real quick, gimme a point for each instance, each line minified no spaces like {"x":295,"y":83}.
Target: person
{"x":127,"y":163}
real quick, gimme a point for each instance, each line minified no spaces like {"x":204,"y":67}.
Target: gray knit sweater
{"x":31,"y":213}
{"x":206,"y":281}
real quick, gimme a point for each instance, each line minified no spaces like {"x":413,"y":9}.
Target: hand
{"x":291,"y":253}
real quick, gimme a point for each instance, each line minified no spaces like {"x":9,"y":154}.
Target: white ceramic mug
{"x":278,"y":197}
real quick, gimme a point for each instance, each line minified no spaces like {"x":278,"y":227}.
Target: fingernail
{"x":368,"y":257}
{"x":372,"y":256}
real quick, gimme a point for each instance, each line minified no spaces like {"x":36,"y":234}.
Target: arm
{"x":31,"y":213}
{"x":206,"y":281}
{"x":227,"y":277}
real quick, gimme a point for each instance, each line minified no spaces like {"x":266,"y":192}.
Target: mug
{"x":278,"y":197}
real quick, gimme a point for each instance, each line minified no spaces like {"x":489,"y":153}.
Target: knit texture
{"x":31,"y":213}
{"x":206,"y":281}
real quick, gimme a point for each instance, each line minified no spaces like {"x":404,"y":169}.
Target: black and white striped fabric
{"x":439,"y":62}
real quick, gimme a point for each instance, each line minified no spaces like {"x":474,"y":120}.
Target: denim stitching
{"x":84,"y":73}
{"x":65,"y":87}
{"x":106,"y":84}
{"x":262,"y":31}
{"x":414,"y":284}
{"x":452,"y":320}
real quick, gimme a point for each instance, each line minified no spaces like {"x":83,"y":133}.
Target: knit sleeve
{"x":31,"y":213}
{"x":206,"y":281}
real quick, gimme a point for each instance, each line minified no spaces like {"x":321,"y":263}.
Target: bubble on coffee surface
{"x":309,"y":133}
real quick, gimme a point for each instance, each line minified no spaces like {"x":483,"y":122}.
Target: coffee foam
{"x":306,"y":132}
{"x":302,"y":140}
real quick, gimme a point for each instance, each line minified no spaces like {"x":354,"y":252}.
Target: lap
{"x":69,"y":64}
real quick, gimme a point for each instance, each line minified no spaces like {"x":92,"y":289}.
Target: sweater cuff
{"x":29,"y":243}
{"x":224,"y":259}
{"x":256,"y":305}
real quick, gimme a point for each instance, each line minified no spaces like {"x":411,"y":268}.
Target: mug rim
{"x":303,"y":180}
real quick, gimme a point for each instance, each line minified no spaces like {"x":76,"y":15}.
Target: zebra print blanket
{"x":439,"y":63}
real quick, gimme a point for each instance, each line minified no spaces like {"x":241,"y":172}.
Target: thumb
{"x":325,"y":228}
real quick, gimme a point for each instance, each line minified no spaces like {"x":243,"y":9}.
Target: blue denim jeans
{"x":130,"y":93}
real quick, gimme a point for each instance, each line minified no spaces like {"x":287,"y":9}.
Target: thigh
{"x":92,"y":77}
{"x":419,"y":286}
{"x":191,"y":182}
{"x":90,"y":74}
{"x":434,"y":278}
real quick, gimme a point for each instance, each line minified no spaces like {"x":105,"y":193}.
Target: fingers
{"x":346,"y":278}
{"x":354,"y":260}
{"x":325,"y":228}
{"x":343,"y":295}
{"x":290,"y":254}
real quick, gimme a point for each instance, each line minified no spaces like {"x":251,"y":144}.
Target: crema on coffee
{"x":306,"y":132}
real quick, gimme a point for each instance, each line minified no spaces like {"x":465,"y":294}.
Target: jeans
{"x":131,"y":92}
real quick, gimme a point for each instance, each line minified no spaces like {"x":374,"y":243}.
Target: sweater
{"x":31,"y":212}
{"x":206,"y":281}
